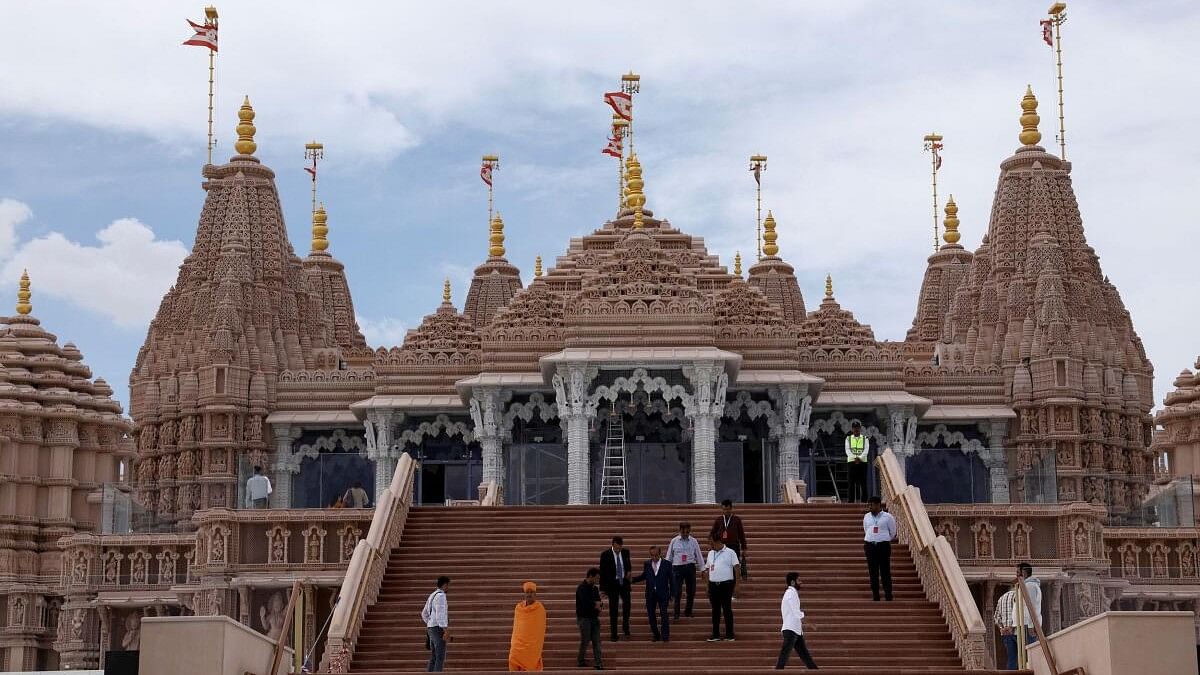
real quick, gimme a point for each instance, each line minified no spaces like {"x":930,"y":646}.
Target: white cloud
{"x":123,"y":278}
{"x":383,"y":331}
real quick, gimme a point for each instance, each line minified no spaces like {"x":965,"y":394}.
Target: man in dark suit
{"x":658,"y":576}
{"x":614,"y":581}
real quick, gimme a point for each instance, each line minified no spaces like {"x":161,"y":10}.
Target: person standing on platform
{"x":258,"y":489}
{"x":729,"y":529}
{"x":1005,"y":616}
{"x":858,"y":452}
{"x":684,"y":554}
{"x":587,"y":615}
{"x":437,"y":621}
{"x":356,"y":497}
{"x":528,"y":633}
{"x":793,"y":628}
{"x":614,"y":581}
{"x":658,"y":576}
{"x":879,"y":529}
{"x":720,"y":571}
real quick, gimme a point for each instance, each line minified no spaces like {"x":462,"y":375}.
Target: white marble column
{"x":789,"y":424}
{"x":485,"y":415}
{"x":705,"y":406}
{"x":571,"y":384}
{"x":902,"y":433}
{"x":285,"y":465}
{"x":996,"y":458}
{"x":379,"y":445}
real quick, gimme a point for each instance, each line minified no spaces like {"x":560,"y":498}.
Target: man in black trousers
{"x":587,"y":616}
{"x":614,"y":581}
{"x":879,"y":529}
{"x":657,"y":574}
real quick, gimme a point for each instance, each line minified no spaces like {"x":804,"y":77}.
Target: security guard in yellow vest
{"x":858,"y":452}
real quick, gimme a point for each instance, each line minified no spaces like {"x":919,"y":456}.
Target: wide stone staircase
{"x":489,"y":551}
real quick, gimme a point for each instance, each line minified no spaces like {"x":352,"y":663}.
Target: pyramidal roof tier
{"x":1035,"y":291}
{"x":777,"y":279}
{"x":496,"y":281}
{"x":243,"y":298}
{"x":946,"y":270}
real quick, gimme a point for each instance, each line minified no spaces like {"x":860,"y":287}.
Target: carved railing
{"x":308,"y":540}
{"x":795,"y":492}
{"x":936,"y":563}
{"x":360,"y":587}
{"x":489,"y":494}
{"x":93,"y":563}
{"x":988,"y":537}
{"x":1148,"y":556}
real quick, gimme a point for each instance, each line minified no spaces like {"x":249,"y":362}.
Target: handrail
{"x":360,"y":587}
{"x":795,"y":492}
{"x":281,"y":642}
{"x":491,"y":494}
{"x":1037,"y":626}
{"x":936,"y":564}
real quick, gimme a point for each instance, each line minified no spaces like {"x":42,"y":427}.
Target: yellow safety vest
{"x":858,"y":445}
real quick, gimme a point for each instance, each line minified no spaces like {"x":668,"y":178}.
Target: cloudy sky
{"x":102,"y":123}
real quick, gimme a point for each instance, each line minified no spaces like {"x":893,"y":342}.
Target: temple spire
{"x":496,"y":238}
{"x":446,"y":291}
{"x":951,"y":235}
{"x":829,"y":286}
{"x":770,"y":248}
{"x":634,"y":198}
{"x":737,"y":263}
{"x":23,"y":295}
{"x":1029,"y":118}
{"x":245,"y":144}
{"x":537,"y":266}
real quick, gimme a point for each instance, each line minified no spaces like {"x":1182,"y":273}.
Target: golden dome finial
{"x":770,"y":248}
{"x":320,"y":229}
{"x":537,"y":266}
{"x":737,"y":263}
{"x":23,"y":294}
{"x":951,"y":235}
{"x":829,"y":286}
{"x":496,"y":238}
{"x":634,"y":198}
{"x":1029,"y":118}
{"x":446,"y":291}
{"x":245,"y":144}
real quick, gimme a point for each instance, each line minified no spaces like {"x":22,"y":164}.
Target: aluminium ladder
{"x":612,"y":482}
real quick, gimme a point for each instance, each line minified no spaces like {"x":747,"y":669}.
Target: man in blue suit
{"x":656,"y":572}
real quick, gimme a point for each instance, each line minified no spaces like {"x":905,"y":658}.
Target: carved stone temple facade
{"x":1019,"y":403}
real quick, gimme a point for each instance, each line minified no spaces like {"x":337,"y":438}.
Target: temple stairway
{"x":489,"y":552}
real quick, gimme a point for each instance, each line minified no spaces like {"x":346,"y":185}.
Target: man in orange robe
{"x":529,"y":632}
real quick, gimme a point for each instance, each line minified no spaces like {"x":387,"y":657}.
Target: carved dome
{"x":831,"y":326}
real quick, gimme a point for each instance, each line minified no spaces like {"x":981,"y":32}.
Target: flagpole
{"x":631,"y":83}
{"x":933,"y":144}
{"x":314,"y":151}
{"x":620,"y":128}
{"x":492,"y":162}
{"x":758,"y":164}
{"x":210,"y":17}
{"x":1058,"y":16}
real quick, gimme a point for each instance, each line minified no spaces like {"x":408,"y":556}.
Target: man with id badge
{"x":729,"y":529}
{"x":721,"y":575}
{"x":684,"y":554}
{"x":879,"y":529}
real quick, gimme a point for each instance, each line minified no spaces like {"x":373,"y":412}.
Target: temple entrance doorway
{"x":447,"y":469}
{"x":746,"y":461}
{"x":536,"y":464}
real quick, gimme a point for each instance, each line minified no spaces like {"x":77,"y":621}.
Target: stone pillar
{"x":571,"y":384}
{"x":902,"y":433}
{"x":485,"y":415}
{"x":379,"y":446}
{"x":704,"y":407}
{"x":285,"y":466}
{"x":996,"y":459}
{"x":789,"y":424}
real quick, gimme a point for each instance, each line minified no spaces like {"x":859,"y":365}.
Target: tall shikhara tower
{"x":244,"y":309}
{"x":1035,"y":303}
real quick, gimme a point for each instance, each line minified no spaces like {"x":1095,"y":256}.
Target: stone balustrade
{"x":93,"y":563}
{"x":300,"y":540}
{"x":1157,"y":556}
{"x":1001,"y":535}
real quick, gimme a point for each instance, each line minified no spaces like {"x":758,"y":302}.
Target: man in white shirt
{"x":437,"y":620}
{"x":879,"y":529}
{"x":1005,"y":616}
{"x":258,"y":489}
{"x":793,"y":629}
{"x":684,"y":554}
{"x":721,"y":574}
{"x":858,"y":454}
{"x":356,"y":497}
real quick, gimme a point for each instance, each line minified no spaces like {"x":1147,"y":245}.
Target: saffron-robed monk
{"x":529,"y":632}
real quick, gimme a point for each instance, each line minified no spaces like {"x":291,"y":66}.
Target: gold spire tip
{"x":829,"y":286}
{"x":1029,"y":118}
{"x":446,"y":291}
{"x":537,"y":266}
{"x":319,"y":229}
{"x":737,"y":263}
{"x":634,"y":198}
{"x":23,"y":294}
{"x":951,"y":235}
{"x":770,"y":248}
{"x":245,"y":144}
{"x":496,"y":238}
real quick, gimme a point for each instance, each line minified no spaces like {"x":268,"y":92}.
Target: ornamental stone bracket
{"x":486,"y":416}
{"x":789,"y":424}
{"x":902,"y":432}
{"x":705,"y":407}
{"x":576,"y":409}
